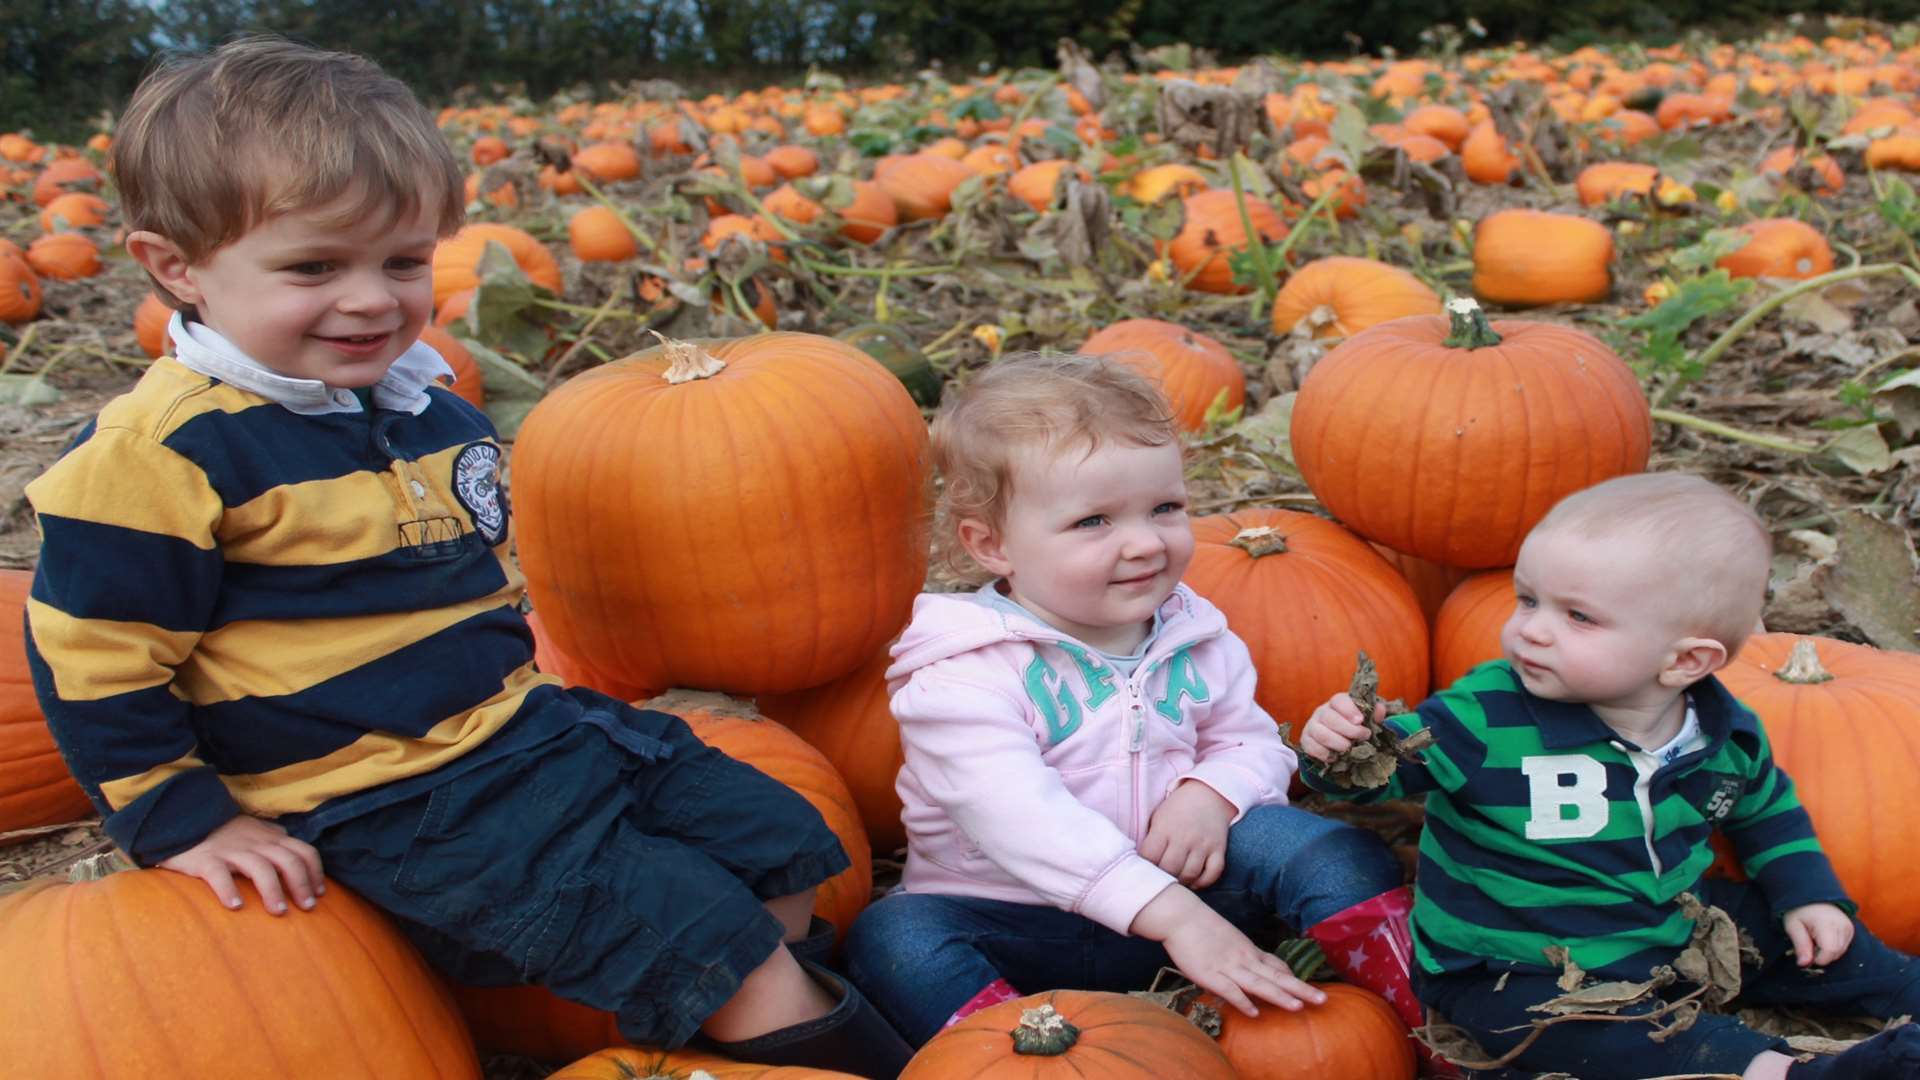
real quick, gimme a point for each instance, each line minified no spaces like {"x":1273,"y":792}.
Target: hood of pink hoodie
{"x":948,"y":624}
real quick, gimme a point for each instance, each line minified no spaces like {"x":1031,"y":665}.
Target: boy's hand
{"x":1335,"y":726}
{"x":1187,"y":834}
{"x":263,"y":852}
{"x":1821,"y":934}
{"x":1218,"y":957}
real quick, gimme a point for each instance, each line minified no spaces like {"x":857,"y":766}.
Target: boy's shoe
{"x":853,"y":1037}
{"x":1370,"y":946}
{"x":1890,"y":1055}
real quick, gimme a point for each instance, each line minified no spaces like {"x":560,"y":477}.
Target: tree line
{"x":64,"y":63}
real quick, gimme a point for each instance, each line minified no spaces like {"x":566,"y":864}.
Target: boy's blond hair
{"x":213,"y":144}
{"x":1717,"y":552}
{"x":1055,"y":402}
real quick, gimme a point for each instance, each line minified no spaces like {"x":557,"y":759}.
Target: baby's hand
{"x":1187,"y":834}
{"x":1218,"y":957}
{"x":1821,"y":933}
{"x":1335,"y":726}
{"x":263,"y":852}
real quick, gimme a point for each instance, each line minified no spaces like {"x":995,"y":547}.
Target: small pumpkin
{"x":1353,"y":1035}
{"x":607,"y":162}
{"x":1442,"y":122}
{"x":74,"y":210}
{"x":597,"y":234}
{"x":1449,"y":440}
{"x":1155,"y":184}
{"x":19,"y":289}
{"x":1038,"y":184}
{"x":64,"y":176}
{"x":150,"y":321}
{"x":467,"y":380}
{"x":1466,"y":631}
{"x":864,"y":209}
{"x":1527,"y":257}
{"x":1065,"y":1034}
{"x":1306,"y":596}
{"x":1196,"y":373}
{"x":792,"y":162}
{"x":1485,"y":157}
{"x":921,"y":185}
{"x":1604,"y":181}
{"x":1357,"y":293}
{"x":65,"y":256}
{"x":1844,"y":721}
{"x":95,"y":971}
{"x":1821,"y":167}
{"x":633,"y":1063}
{"x":1211,"y":232}
{"x":35,"y":787}
{"x":1780,"y":248}
{"x":488,"y":149}
{"x":456,"y":261}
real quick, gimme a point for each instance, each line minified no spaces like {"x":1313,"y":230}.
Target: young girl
{"x":1090,"y":790}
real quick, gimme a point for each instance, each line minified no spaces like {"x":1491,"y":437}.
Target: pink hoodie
{"x":1033,"y":767}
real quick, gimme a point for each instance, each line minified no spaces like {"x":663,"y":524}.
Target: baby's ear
{"x":1694,"y":658}
{"x":165,"y":263}
{"x":982,"y":542}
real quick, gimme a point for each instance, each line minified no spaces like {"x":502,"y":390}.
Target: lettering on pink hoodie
{"x":1033,"y":767}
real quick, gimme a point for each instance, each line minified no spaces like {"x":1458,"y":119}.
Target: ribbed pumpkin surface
{"x":1213,"y":231}
{"x":456,"y":261}
{"x":1190,"y":368}
{"x":1852,"y":746}
{"x":35,"y":787}
{"x":626,"y":1063}
{"x":1453,"y":454}
{"x":143,"y":973}
{"x":758,"y":531}
{"x":1359,"y":292}
{"x":1306,"y":613}
{"x":1431,"y":582}
{"x":1121,"y":1038}
{"x":850,"y":721}
{"x":1353,"y":1035}
{"x":1466,"y":633}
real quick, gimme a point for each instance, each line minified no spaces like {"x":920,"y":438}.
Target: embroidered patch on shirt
{"x":476,"y":483}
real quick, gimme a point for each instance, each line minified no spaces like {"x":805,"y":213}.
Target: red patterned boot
{"x":993,"y":993}
{"x":1370,"y":946}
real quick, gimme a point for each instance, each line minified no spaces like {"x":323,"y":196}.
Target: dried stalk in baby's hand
{"x":1371,"y":763}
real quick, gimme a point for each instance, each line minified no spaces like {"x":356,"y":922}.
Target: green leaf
{"x":20,"y":389}
{"x":977,"y":107}
{"x":1900,"y":393}
{"x":512,"y":391}
{"x":1349,"y":131}
{"x":871,"y":142}
{"x":1707,"y":251}
{"x":504,"y":314}
{"x":1860,"y":449}
{"x":1694,"y":299}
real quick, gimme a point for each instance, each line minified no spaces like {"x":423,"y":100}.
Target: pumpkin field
{"x":1399,"y":304}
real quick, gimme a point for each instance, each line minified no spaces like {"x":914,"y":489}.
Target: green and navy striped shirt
{"x":1541,"y":832}
{"x":239,"y":608}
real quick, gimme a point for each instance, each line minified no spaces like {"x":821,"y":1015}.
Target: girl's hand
{"x":1187,"y":834}
{"x":1218,"y":957}
{"x":264,"y":853}
{"x":1335,"y":726}
{"x":1821,"y":934}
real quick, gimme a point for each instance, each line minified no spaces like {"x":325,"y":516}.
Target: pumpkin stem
{"x":1803,"y":665}
{"x":687,"y":361}
{"x":1264,"y":540}
{"x":1045,"y":1032}
{"x":1470,"y":328}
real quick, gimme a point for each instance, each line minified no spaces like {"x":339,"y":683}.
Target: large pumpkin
{"x":1212,"y":232}
{"x":1306,"y":596}
{"x":456,"y":261}
{"x":850,"y":721}
{"x":35,"y":787}
{"x":1451,"y":445}
{"x":143,"y":973}
{"x":1353,"y":1035}
{"x":745,"y":516}
{"x":1071,"y":1034}
{"x":1844,"y":721}
{"x":1527,"y":257}
{"x":1191,"y":369}
{"x":632,"y":1063}
{"x":1356,"y":293}
{"x":1466,"y":632}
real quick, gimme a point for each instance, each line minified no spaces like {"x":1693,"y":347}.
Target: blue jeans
{"x":920,"y":956}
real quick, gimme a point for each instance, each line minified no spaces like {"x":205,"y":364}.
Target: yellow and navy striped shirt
{"x":239,"y":608}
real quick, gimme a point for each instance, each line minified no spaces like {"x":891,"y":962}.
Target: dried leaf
{"x":1078,"y":70}
{"x":512,"y":391}
{"x":1900,"y":397}
{"x":1872,"y":581}
{"x":1082,"y":227}
{"x":1605,"y":997}
{"x":1860,"y":449}
{"x":1712,"y":956}
{"x":22,"y":389}
{"x":1371,"y":763}
{"x":1814,"y":308}
{"x":1218,"y":117}
{"x":1571,"y":974}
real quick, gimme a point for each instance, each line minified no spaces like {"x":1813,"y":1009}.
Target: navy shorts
{"x":622,"y":864}
{"x":1871,"y":978}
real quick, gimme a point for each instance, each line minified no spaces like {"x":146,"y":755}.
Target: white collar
{"x":202,"y":349}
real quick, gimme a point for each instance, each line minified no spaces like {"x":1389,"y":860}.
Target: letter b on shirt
{"x":1569,"y":796}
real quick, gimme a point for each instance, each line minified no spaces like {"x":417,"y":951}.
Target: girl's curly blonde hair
{"x":1052,"y":401}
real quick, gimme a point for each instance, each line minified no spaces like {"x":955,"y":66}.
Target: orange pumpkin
{"x":1466,"y":632}
{"x":1353,"y":1035}
{"x":488,"y":149}
{"x":1450,"y":442}
{"x":597,"y":234}
{"x":1431,"y":581}
{"x":1306,"y":596}
{"x":1212,"y":232}
{"x":1783,"y":161}
{"x":19,"y":289}
{"x":1194,"y":371}
{"x":1844,"y":721}
{"x":64,"y":256}
{"x":1038,"y":184}
{"x":631,"y":1063}
{"x":35,"y":787}
{"x":921,"y":185}
{"x":63,"y":176}
{"x":1485,"y":156}
{"x":1527,"y":257}
{"x":1356,"y":292}
{"x":608,"y":162}
{"x":467,"y":381}
{"x":850,"y":721}
{"x":1074,"y":1034}
{"x":150,"y":324}
{"x":456,"y":262}
{"x":75,"y":210}
{"x":864,"y":209}
{"x":792,"y":162}
{"x":746,"y":516}
{"x":1605,"y":181}
{"x":118,"y":955}
{"x":1781,"y":248}
{"x":1442,"y":122}
{"x":1152,"y":185}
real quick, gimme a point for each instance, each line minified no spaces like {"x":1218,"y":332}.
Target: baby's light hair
{"x":213,"y":144}
{"x":1717,"y":551}
{"x":1057,"y":402}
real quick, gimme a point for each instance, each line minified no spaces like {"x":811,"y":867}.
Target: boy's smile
{"x":1093,"y":543}
{"x":311,"y":298}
